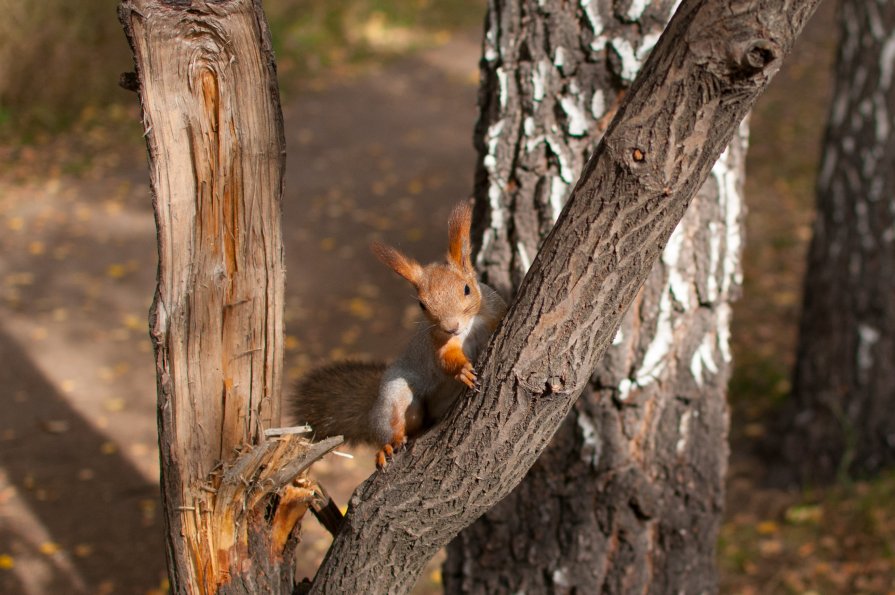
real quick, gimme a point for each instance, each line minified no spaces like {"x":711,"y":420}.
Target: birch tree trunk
{"x":680,"y":113}
{"x":211,"y":113}
{"x":844,"y":382}
{"x":628,"y":497}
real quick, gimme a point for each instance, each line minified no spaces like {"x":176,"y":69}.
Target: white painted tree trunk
{"x":629,"y":495}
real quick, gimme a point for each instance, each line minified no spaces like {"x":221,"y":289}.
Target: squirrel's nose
{"x":451,"y":326}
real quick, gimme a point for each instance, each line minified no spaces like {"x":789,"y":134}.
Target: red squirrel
{"x":384,"y":405}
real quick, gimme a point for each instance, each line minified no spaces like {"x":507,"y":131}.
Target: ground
{"x":380,"y":152}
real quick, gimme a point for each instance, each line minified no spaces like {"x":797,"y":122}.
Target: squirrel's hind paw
{"x":382,"y":457}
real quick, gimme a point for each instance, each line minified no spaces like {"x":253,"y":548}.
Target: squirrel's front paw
{"x":467,"y":376}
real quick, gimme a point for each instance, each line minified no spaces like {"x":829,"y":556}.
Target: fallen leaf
{"x":798,"y":515}
{"x":82,"y":550}
{"x":116,"y":271}
{"x":291,"y":343}
{"x":54,"y":426}
{"x":114,"y":404}
{"x":770,"y":547}
{"x":360,"y":308}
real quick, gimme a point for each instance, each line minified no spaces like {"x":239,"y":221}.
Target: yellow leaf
{"x":113,"y":207}
{"x":360,"y":308}
{"x":767,"y":528}
{"x":803,"y":514}
{"x":114,"y":404}
{"x":108,"y":448}
{"x":82,"y":550}
{"x":116,"y":271}
{"x":415,"y":186}
{"x":134,"y":322}
{"x":6,"y":562}
{"x":770,"y":547}
{"x":291,"y":342}
{"x":49,"y":548}
{"x":15,"y":223}
{"x":36,"y":248}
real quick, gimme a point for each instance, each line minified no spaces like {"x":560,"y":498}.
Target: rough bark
{"x":214,"y":134}
{"x":701,"y":79}
{"x":844,"y":380}
{"x":629,"y":494}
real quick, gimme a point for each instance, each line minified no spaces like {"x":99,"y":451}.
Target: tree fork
{"x":706,"y":71}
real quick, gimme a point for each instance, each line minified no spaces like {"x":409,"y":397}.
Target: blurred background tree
{"x":843,"y":419}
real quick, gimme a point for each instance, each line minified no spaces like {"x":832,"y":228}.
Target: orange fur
{"x":458,"y":236}
{"x":454,"y":362}
{"x":451,"y":357}
{"x":398,"y":262}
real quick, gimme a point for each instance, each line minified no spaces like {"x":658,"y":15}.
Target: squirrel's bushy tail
{"x":336,"y":399}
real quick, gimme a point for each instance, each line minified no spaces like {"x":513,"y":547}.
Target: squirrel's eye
{"x":422,"y":306}
{"x":466,"y":290}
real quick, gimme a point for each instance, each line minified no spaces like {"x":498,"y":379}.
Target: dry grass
{"x":59,"y":58}
{"x":56,"y":58}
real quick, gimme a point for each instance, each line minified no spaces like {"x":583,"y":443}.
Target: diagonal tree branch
{"x":705,"y":73}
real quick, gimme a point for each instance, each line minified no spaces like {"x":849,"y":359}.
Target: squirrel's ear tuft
{"x":459,"y":250}
{"x":403,"y":265}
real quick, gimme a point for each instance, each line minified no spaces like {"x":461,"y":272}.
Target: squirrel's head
{"x":448,"y":292}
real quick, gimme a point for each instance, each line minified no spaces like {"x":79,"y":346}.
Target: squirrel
{"x":369,"y":402}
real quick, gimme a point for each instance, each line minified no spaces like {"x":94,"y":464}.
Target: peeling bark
{"x":639,"y":464}
{"x":673,"y":124}
{"x":214,"y":134}
{"x":844,"y":380}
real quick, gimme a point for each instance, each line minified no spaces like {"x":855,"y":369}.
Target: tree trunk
{"x":629,"y":495}
{"x":673,"y":124}
{"x":214,"y":133}
{"x":845,"y":379}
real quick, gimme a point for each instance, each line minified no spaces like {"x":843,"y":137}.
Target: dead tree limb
{"x":214,"y":132}
{"x":712,"y":62}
